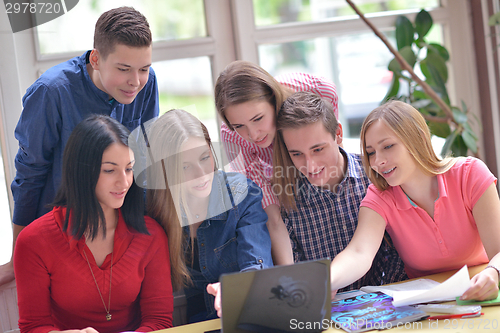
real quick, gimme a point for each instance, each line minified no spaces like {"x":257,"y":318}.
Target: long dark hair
{"x":81,"y":169}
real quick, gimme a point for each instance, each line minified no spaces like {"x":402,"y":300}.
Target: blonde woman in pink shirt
{"x":440,"y":214}
{"x":247,"y":100}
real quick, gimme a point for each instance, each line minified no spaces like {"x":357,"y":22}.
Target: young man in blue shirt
{"x":114,"y":78}
{"x":320,"y":187}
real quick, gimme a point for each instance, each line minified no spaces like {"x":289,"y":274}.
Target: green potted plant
{"x":428,"y":94}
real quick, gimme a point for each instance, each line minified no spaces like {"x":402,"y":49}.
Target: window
{"x":169,"y":20}
{"x":187,"y":84}
{"x":269,"y":12}
{"x":326,"y":38}
{"x":362,"y":78}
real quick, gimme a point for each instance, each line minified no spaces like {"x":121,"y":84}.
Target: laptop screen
{"x":277,"y":299}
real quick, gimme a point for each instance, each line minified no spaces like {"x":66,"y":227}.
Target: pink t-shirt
{"x":257,"y":163}
{"x":448,"y":241}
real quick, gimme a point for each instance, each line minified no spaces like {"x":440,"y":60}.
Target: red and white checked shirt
{"x":257,"y":163}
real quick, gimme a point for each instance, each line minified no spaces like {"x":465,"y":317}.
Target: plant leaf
{"x":421,"y":103}
{"x":419,"y":94}
{"x":458,"y":115}
{"x":405,"y":34}
{"x":440,"y":129}
{"x":436,"y":69}
{"x":423,"y":23}
{"x":395,"y":67}
{"x":410,"y":57}
{"x":393,"y":89}
{"x":469,"y":129}
{"x":458,"y":147}
{"x":447,"y":144}
{"x":470,"y":140}
{"x":464,"y":107}
{"x":440,"y":50}
{"x":436,"y":61}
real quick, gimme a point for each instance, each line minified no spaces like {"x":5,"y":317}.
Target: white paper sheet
{"x":415,"y":285}
{"x":449,"y":289}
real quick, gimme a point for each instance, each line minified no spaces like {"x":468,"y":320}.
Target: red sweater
{"x":56,"y":290}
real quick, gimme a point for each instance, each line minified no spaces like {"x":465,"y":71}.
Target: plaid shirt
{"x":324,"y":224}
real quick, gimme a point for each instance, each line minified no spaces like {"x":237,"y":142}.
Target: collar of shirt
{"x":403,"y":201}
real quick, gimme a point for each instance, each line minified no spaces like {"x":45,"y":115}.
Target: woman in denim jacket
{"x":214,"y":220}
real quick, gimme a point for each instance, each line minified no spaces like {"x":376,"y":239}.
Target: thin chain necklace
{"x":108,"y":315}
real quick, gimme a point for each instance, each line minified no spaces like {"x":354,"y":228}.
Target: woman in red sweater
{"x":94,"y":263}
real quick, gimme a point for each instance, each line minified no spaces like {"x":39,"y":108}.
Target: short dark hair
{"x":123,"y":25}
{"x":304,"y":108}
{"x":82,"y":160}
{"x":299,"y":109}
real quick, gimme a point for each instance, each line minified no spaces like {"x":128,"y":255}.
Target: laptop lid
{"x":279,"y":299}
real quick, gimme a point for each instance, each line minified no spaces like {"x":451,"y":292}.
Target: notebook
{"x":279,"y":299}
{"x":372,"y":311}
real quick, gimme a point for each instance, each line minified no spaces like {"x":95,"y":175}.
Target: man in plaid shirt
{"x":320,"y":187}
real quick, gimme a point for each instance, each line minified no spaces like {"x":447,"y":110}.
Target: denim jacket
{"x":234,"y":237}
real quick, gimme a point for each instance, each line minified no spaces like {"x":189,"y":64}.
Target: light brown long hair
{"x":165,"y":202}
{"x":242,"y":81}
{"x":410,"y":127}
{"x":299,"y":110}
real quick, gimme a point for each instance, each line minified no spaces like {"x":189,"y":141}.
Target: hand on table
{"x":214,"y":289}
{"x":484,"y":286}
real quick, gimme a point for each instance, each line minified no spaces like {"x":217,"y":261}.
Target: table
{"x":489,"y":322}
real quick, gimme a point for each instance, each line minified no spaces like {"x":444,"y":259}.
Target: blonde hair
{"x":410,"y":127}
{"x":300,"y":109}
{"x":166,"y":202}
{"x":243,"y":81}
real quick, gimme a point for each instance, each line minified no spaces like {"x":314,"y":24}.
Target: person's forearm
{"x":347,"y":268}
{"x":281,"y":248}
{"x":7,"y":270}
{"x":16,"y":229}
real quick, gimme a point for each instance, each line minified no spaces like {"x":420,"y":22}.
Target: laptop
{"x":289,"y":298}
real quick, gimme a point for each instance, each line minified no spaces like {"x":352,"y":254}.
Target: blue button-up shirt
{"x":62,"y":97}
{"x":325,"y":221}
{"x":234,"y":237}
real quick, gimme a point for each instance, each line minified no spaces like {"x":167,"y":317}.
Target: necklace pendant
{"x":197,"y":216}
{"x":108,"y":317}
